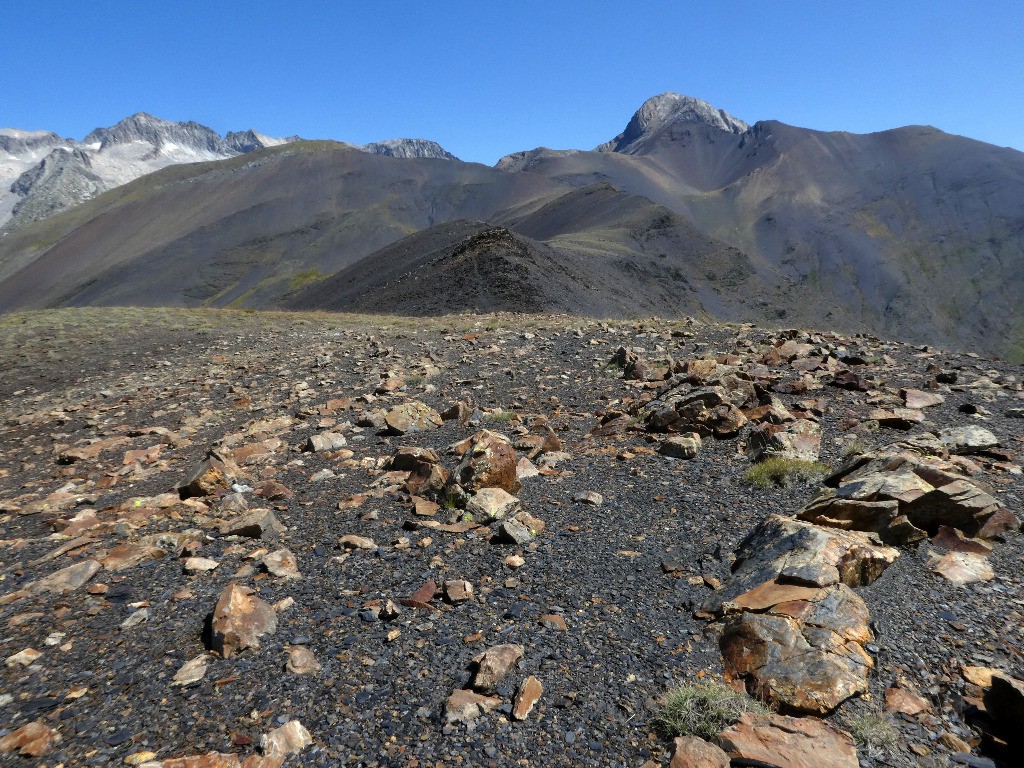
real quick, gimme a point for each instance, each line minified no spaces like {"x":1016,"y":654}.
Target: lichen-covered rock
{"x":411,"y":417}
{"x":489,"y":461}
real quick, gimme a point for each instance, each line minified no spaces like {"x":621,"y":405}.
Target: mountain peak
{"x":144,"y":127}
{"x":670,"y":108}
{"x":408,"y":148}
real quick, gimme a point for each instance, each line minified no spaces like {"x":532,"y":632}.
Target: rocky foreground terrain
{"x":240,"y":539}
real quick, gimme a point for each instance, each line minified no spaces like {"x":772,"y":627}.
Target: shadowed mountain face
{"x":913,"y":233}
{"x":594,"y":251}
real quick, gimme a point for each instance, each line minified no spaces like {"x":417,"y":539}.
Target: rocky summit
{"x":252,"y":540}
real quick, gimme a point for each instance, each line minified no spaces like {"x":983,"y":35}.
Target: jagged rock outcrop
{"x":408,"y":148}
{"x":665,"y":109}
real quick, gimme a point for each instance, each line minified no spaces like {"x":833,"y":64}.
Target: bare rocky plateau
{"x":263,"y":539}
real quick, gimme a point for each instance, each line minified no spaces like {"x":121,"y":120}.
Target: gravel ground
{"x":631,"y":635}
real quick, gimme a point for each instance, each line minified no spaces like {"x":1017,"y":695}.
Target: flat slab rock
{"x":776,"y":741}
{"x":807,"y":554}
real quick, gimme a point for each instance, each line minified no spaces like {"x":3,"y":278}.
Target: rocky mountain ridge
{"x":910,"y":233}
{"x":42,"y":173}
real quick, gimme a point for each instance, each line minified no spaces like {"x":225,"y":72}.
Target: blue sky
{"x":487,"y":78}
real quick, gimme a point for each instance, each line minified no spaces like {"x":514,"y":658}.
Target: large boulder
{"x":799,"y":648}
{"x":930,"y":492}
{"x":799,"y":553}
{"x":489,"y":461}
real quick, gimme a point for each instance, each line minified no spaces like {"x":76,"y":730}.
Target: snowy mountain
{"x":42,"y":173}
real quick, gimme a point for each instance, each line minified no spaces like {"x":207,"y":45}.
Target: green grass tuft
{"x":703,"y":709}
{"x":779,"y":471}
{"x":872,"y":731}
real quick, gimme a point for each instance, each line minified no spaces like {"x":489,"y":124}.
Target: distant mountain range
{"x":42,"y":173}
{"x":912,"y":232}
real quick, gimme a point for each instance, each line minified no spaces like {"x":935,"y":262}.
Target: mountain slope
{"x":593,"y":251}
{"x":912,"y":233}
{"x":244,"y":230}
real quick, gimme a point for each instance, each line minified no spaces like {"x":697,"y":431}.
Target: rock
{"x":955,"y":541}
{"x":424,"y":507}
{"x":916,"y":398}
{"x":897,"y":418}
{"x":963,"y":568}
{"x":881,"y":517}
{"x":57,"y":583}
{"x":1015,"y":413}
{"x":24,"y":658}
{"x":1004,"y":702}
{"x":805,"y":652}
{"x":681,"y":446}
{"x":239,"y":620}
{"x":458,"y":591}
{"x":31,"y":740}
{"x":301,"y":661}
{"x":125,"y":556}
{"x":694,"y":752}
{"x":325,"y":441}
{"x":525,"y":469}
{"x":256,"y":524}
{"x":529,"y":693}
{"x":461,"y":411}
{"x":290,"y":739}
{"x":408,"y":458}
{"x":411,"y":417}
{"x":901,"y":699}
{"x":428,"y":480}
{"x":554,"y":621}
{"x":490,"y":504}
{"x":489,"y":461}
{"x":282,"y":563}
{"x":351,"y":541}
{"x":800,"y":440}
{"x":89,"y":451}
{"x":210,"y":476}
{"x":271,"y":490}
{"x":806,"y":554}
{"x":199,"y":564}
{"x":209,"y":760}
{"x":192,"y":671}
{"x":968,"y":439}
{"x":979,"y":676}
{"x":930,"y":492}
{"x":591,"y":498}
{"x":494,"y":664}
{"x":465,"y":706}
{"x":514,"y":532}
{"x":788,"y":742}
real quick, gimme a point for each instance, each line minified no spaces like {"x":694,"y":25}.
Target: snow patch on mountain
{"x":42,"y":173}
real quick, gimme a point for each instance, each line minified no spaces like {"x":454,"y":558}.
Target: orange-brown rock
{"x":239,"y":620}
{"x":805,"y":654}
{"x":526,"y":697}
{"x":31,"y":740}
{"x":494,"y":664}
{"x":488,"y":462}
{"x":788,"y":742}
{"x":694,"y":752}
